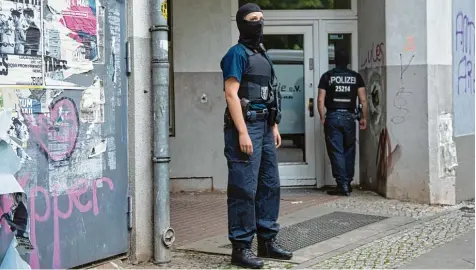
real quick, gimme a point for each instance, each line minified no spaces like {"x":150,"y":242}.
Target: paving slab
{"x":457,"y":254}
{"x":402,"y":247}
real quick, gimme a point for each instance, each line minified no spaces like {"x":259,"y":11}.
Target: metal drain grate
{"x":313,"y":231}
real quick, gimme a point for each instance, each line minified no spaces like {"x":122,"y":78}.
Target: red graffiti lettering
{"x":374,"y":56}
{"x":64,"y":212}
{"x":56,"y":132}
{"x":386,"y":160}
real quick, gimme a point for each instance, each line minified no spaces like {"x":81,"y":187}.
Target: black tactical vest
{"x":256,"y":83}
{"x":342,"y":92}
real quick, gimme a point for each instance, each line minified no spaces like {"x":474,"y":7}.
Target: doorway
{"x":301,"y":51}
{"x":335,"y":35}
{"x":291,"y":50}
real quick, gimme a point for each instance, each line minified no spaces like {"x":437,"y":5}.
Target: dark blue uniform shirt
{"x":234,"y":64}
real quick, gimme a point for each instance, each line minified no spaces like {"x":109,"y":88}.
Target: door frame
{"x":305,"y":14}
{"x":293,"y":173}
{"x":327,"y":27}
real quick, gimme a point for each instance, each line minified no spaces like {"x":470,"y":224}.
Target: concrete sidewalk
{"x":445,"y":233}
{"x":457,"y":254}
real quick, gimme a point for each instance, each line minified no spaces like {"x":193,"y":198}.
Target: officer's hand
{"x":363,"y":124}
{"x":246,"y":145}
{"x":277,"y":136}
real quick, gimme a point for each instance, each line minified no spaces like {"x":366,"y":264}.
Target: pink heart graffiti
{"x":56,"y":132}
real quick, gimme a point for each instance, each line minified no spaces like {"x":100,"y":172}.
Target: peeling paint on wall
{"x":111,"y":154}
{"x":114,"y":66}
{"x":62,"y":175}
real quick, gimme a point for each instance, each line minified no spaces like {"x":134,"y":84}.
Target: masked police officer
{"x":338,"y":92}
{"x":251,"y":138}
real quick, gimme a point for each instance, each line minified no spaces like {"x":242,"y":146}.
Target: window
{"x":338,"y":42}
{"x":299,"y":4}
{"x":171,"y":73}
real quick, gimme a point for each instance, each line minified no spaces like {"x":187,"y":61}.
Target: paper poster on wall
{"x":71,"y":38}
{"x":92,"y":103}
{"x":20,"y":42}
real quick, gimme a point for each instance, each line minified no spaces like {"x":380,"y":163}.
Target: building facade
{"x":76,"y":120}
{"x":416,"y":57}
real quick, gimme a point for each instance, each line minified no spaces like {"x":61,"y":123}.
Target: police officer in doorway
{"x":337,"y":104}
{"x":251,"y":138}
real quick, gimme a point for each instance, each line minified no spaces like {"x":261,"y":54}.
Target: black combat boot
{"x":341,"y":190}
{"x":271,"y":249}
{"x":244,"y":257}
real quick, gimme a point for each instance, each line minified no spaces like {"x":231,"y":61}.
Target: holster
{"x":358,"y":112}
{"x":245,"y":108}
{"x":273,"y":115}
{"x":228,"y":122}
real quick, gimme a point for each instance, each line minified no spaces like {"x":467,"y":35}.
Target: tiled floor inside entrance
{"x":197,"y":216}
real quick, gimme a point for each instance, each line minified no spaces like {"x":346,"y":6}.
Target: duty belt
{"x":257,"y":115}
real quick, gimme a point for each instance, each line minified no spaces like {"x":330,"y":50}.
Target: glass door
{"x":291,"y":50}
{"x":336,"y":35}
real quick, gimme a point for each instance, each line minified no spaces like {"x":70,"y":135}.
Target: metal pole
{"x":163,"y":234}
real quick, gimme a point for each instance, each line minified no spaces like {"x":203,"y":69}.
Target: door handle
{"x":311,"y":107}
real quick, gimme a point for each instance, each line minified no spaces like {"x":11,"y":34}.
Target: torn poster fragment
{"x":12,"y":259}
{"x":33,"y":101}
{"x":20,"y":43}
{"x":92,"y":103}
{"x":18,"y":221}
{"x":9,"y":184}
{"x":71,"y":41}
{"x":17,"y":218}
{"x":98,"y":149}
{"x":12,"y":123}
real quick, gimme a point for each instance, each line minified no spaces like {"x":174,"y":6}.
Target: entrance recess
{"x":291,"y":50}
{"x":335,"y":35}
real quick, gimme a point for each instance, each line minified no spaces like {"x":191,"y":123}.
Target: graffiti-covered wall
{"x":463,"y":42}
{"x":463,"y":66}
{"x":62,"y":131}
{"x":372,"y":57}
{"x":408,"y":151}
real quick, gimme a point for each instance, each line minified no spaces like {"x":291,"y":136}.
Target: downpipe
{"x":164,"y":235}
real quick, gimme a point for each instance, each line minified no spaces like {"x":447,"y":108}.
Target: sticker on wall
{"x":20,"y":43}
{"x":163,"y":9}
{"x":98,"y":149}
{"x":92,"y":103}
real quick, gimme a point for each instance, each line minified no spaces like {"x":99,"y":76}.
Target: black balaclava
{"x":251,"y":33}
{"x":342,"y":58}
